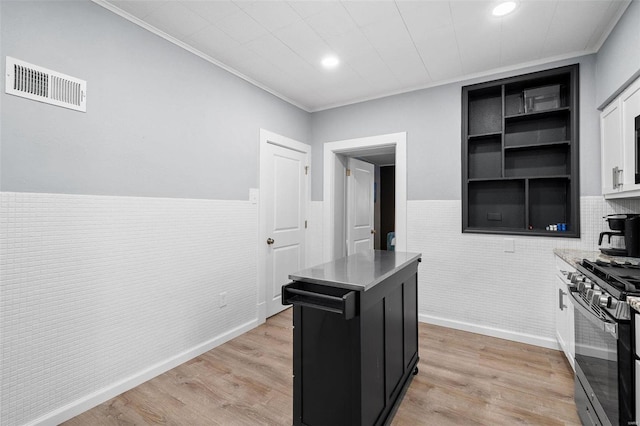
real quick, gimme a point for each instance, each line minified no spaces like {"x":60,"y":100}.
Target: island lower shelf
{"x":354,"y":351}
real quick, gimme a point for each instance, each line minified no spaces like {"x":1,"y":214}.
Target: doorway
{"x":335,"y":159}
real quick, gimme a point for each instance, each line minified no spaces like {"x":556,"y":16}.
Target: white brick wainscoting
{"x":99,"y":294}
{"x":468,"y":281}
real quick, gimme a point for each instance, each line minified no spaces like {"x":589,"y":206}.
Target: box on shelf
{"x":542,"y":98}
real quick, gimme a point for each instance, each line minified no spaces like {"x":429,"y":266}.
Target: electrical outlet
{"x":509,"y":245}
{"x":223,"y":299}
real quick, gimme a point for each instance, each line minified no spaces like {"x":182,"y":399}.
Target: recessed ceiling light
{"x":330,"y":62}
{"x":504,"y":8}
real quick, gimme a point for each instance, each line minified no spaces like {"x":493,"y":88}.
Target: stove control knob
{"x":595,"y":297}
{"x":577,"y":278}
{"x":604,"y":301}
{"x":584,"y":286}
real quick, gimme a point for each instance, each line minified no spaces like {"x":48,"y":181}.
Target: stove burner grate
{"x":623,"y":277}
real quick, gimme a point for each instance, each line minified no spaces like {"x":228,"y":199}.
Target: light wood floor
{"x":464,"y":379}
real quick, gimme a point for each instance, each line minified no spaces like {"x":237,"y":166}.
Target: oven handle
{"x":606,"y":326}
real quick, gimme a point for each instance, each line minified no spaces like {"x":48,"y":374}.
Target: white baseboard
{"x":529,"y":339}
{"x":83,"y":404}
{"x":262,"y":312}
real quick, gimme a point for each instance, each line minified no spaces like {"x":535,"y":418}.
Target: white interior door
{"x":284,"y":195}
{"x":360,"y":225}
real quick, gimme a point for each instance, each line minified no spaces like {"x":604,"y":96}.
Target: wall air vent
{"x":40,"y":84}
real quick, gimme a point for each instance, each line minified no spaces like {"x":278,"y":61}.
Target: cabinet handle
{"x":343,"y":304}
{"x":561,"y":295}
{"x":620,"y":178}
{"x":617,"y":173}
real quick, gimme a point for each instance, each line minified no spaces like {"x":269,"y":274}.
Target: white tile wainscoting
{"x":101,"y":293}
{"x":469,"y":282}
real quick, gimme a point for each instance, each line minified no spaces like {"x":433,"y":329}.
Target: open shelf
{"x":538,"y":129}
{"x":549,"y":202}
{"x":485,"y":157}
{"x":544,"y":161}
{"x":485,"y":111}
{"x":497,"y":204}
{"x":520,"y":157}
{"x":515,"y":91}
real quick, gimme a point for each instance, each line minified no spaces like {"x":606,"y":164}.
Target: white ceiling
{"x":385,"y":47}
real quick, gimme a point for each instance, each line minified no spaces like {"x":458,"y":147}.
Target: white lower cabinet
{"x":637,"y":390}
{"x":636,"y":317}
{"x":565,"y":331}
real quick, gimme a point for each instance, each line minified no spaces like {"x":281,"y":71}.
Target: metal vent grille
{"x":40,"y":84}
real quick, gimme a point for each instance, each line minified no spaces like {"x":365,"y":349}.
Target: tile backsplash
{"x":469,"y":281}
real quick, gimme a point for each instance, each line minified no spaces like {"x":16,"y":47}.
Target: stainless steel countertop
{"x":360,"y":271}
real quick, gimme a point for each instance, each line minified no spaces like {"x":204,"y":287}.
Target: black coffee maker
{"x":625,"y":226}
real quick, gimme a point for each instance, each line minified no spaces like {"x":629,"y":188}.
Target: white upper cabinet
{"x":630,"y":109}
{"x":619,"y":140}
{"x":611,"y":146}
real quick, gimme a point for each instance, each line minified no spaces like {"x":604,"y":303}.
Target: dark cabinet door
{"x":394,"y":340}
{"x":328,"y":359}
{"x":410,"y":302}
{"x":373,"y":391}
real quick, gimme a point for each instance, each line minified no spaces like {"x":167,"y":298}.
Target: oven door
{"x":637,"y":144}
{"x":604,"y":365}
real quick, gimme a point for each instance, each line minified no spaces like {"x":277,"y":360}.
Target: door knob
{"x":373,"y":231}
{"x":270,"y":241}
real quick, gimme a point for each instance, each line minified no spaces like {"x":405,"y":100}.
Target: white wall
{"x":160,"y":121}
{"x":432,"y":120}
{"x":619,"y":57}
{"x":108,"y":287}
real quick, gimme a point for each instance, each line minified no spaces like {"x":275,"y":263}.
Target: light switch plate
{"x":509,"y":245}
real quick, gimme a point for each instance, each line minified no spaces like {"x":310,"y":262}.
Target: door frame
{"x":331,"y":149}
{"x":268,"y":137}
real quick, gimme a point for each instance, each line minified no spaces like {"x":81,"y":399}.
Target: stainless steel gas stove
{"x":607,"y":285}
{"x":604,"y":360}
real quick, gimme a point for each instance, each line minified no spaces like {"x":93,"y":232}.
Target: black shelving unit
{"x":520,"y":154}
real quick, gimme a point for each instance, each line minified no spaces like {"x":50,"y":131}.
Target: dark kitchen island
{"x":355,"y":338}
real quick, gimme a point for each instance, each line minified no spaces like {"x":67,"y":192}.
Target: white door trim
{"x":267,"y":137}
{"x":399,"y":140}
